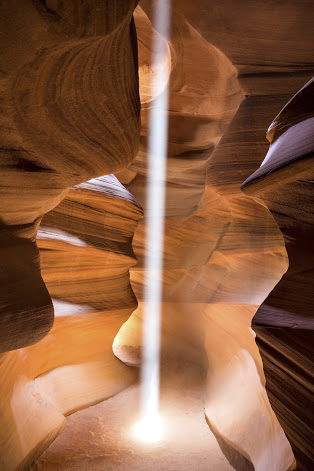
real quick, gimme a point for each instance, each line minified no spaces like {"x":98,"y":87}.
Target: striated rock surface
{"x":71,"y":112}
{"x":284,"y":323}
{"x":223,"y":254}
{"x":74,"y":366}
{"x":86,"y":241}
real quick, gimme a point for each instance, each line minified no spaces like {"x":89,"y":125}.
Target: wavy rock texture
{"x":221,"y":249}
{"x":74,"y":366}
{"x":71,"y":113}
{"x":284,"y":322}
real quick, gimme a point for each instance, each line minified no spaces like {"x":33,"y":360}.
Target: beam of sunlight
{"x":149,"y":427}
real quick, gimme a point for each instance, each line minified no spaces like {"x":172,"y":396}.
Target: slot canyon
{"x":237,"y":312}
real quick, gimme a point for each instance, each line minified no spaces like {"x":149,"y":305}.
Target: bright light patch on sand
{"x":149,"y":427}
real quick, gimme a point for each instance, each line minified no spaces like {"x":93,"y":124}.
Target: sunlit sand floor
{"x":100,"y":438}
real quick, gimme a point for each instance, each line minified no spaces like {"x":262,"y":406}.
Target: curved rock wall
{"x":284,"y":322}
{"x":222,"y":254}
{"x":71,"y":113}
{"x":74,"y":366}
{"x":239,"y":255}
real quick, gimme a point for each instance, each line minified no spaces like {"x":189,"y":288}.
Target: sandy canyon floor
{"x":101,"y":437}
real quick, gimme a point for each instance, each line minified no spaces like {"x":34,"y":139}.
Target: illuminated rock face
{"x":71,"y":114}
{"x":73,"y":366}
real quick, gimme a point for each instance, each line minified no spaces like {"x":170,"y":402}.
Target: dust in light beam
{"x":149,"y":426}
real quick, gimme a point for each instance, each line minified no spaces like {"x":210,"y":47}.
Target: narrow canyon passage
{"x":237,"y":279}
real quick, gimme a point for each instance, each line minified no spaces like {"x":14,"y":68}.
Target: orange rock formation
{"x":71,"y":114}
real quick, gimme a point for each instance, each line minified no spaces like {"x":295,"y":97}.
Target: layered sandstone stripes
{"x":71,"y":114}
{"x":74,"y":366}
{"x":284,"y":323}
